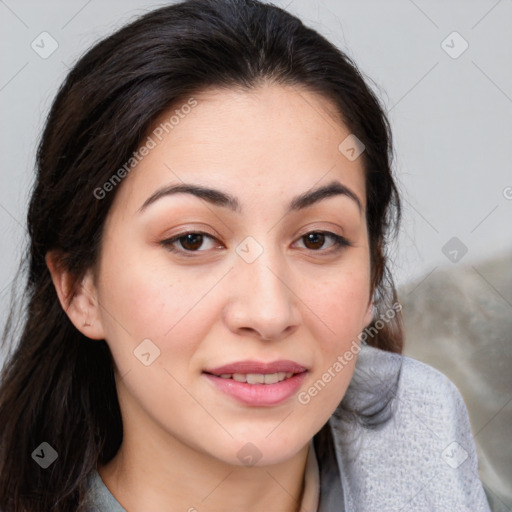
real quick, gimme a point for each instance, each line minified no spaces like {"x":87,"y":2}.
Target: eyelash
{"x":340,"y":242}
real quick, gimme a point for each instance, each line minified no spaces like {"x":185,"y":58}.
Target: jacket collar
{"x":331,"y":491}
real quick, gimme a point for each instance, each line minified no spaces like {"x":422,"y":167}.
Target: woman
{"x":211,"y":324}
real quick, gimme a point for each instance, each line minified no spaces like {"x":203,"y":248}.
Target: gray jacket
{"x":399,"y":441}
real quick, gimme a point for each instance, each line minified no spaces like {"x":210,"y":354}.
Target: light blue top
{"x":422,"y":459}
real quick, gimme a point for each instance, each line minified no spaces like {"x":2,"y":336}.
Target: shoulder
{"x":423,"y":456}
{"x":430,"y":395}
{"x":417,"y":391}
{"x":99,"y":498}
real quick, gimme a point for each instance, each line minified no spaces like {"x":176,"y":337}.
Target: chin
{"x":264,"y":451}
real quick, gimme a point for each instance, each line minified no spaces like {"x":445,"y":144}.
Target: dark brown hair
{"x":57,"y":385}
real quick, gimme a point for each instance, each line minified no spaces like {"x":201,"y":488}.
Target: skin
{"x":299,"y":300}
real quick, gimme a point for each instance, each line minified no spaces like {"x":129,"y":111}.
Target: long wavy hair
{"x":57,"y":386}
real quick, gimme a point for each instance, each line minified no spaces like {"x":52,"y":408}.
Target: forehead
{"x":267,"y":144}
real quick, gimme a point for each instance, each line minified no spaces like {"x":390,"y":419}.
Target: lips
{"x":256,"y":383}
{"x":257,"y":367}
{"x":258,"y":378}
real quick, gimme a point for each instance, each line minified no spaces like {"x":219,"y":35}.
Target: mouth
{"x":256,"y":378}
{"x":258,"y":384}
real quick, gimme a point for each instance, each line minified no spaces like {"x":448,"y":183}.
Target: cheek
{"x":143,"y":300}
{"x":340,"y":306}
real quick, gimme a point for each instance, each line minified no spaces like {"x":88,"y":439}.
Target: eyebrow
{"x":223,"y":199}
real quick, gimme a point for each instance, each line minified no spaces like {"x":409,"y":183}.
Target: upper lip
{"x":248,"y":366}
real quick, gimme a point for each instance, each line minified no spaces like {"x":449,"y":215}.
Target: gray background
{"x":452,"y":127}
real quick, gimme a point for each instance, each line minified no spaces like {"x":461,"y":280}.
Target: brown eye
{"x":190,"y":242}
{"x":193,"y":242}
{"x":314,"y":240}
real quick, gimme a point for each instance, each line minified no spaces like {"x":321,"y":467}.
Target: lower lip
{"x":259,"y":394}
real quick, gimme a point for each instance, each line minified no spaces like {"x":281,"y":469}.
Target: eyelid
{"x":169,"y":242}
{"x":340,"y":242}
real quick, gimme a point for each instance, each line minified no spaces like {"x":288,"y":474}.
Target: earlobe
{"x":369,"y":314}
{"x":78,"y":300}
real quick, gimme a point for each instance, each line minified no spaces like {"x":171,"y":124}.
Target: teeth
{"x":258,"y":378}
{"x":255,"y":378}
{"x":272,"y":378}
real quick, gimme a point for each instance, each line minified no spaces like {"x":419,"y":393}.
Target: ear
{"x":368,"y":317}
{"x":80,"y":304}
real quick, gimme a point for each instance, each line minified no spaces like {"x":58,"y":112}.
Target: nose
{"x":263,"y":301}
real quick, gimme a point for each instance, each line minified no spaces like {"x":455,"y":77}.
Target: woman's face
{"x":247,"y":284}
